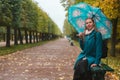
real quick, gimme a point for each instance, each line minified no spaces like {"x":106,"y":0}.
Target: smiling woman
{"x":54,"y":9}
{"x":91,"y":53}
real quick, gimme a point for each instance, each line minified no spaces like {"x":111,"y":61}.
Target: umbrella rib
{"x":90,"y":9}
{"x":103,"y":24}
{"x":83,"y":9}
{"x":101,"y":21}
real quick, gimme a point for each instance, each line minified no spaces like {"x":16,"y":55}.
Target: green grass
{"x":14,"y":48}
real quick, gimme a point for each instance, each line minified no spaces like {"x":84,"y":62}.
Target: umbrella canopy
{"x":77,"y":14}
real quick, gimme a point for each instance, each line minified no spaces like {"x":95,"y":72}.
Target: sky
{"x":54,"y":9}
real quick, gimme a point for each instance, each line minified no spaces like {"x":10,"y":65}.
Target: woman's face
{"x":89,"y":24}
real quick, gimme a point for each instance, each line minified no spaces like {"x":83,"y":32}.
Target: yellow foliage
{"x":96,"y":4}
{"x":109,"y":7}
{"x":111,"y":76}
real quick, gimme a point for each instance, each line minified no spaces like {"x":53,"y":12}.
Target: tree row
{"x":24,"y":20}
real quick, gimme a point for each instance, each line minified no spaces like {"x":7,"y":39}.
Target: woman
{"x":90,"y":56}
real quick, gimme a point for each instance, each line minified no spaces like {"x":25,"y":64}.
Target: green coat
{"x":91,"y":48}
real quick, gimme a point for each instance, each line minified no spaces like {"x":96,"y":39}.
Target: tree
{"x":111,"y":10}
{"x":16,"y":10}
{"x":6,"y":18}
{"x":27,"y":16}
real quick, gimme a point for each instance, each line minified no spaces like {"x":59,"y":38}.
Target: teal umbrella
{"x":77,"y":14}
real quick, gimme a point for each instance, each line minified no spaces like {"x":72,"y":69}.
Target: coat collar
{"x":92,"y":34}
{"x":88,"y":32}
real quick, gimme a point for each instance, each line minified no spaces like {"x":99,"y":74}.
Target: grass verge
{"x":14,"y":48}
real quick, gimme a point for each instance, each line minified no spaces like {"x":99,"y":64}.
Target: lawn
{"x":14,"y":48}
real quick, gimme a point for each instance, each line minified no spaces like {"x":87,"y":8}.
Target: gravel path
{"x":51,"y":61}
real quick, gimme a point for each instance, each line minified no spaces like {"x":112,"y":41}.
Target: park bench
{"x":98,"y":72}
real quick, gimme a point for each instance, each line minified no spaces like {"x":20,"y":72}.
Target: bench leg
{"x":98,"y":75}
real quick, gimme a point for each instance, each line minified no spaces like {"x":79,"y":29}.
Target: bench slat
{"x":106,"y":67}
{"x":102,"y":67}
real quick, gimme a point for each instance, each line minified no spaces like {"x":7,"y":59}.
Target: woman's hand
{"x":80,"y":35}
{"x":93,"y":65}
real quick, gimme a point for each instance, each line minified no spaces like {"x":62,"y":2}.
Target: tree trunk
{"x":113,"y":40}
{"x":20,"y":36}
{"x":15,"y":36}
{"x":36,"y":36}
{"x":8,"y":37}
{"x":26,"y":37}
{"x":33,"y":37}
{"x":39,"y":36}
{"x":30,"y":35}
{"x":4,"y":37}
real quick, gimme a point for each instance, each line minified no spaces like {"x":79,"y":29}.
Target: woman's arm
{"x":98,"y":49}
{"x":81,"y":42}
